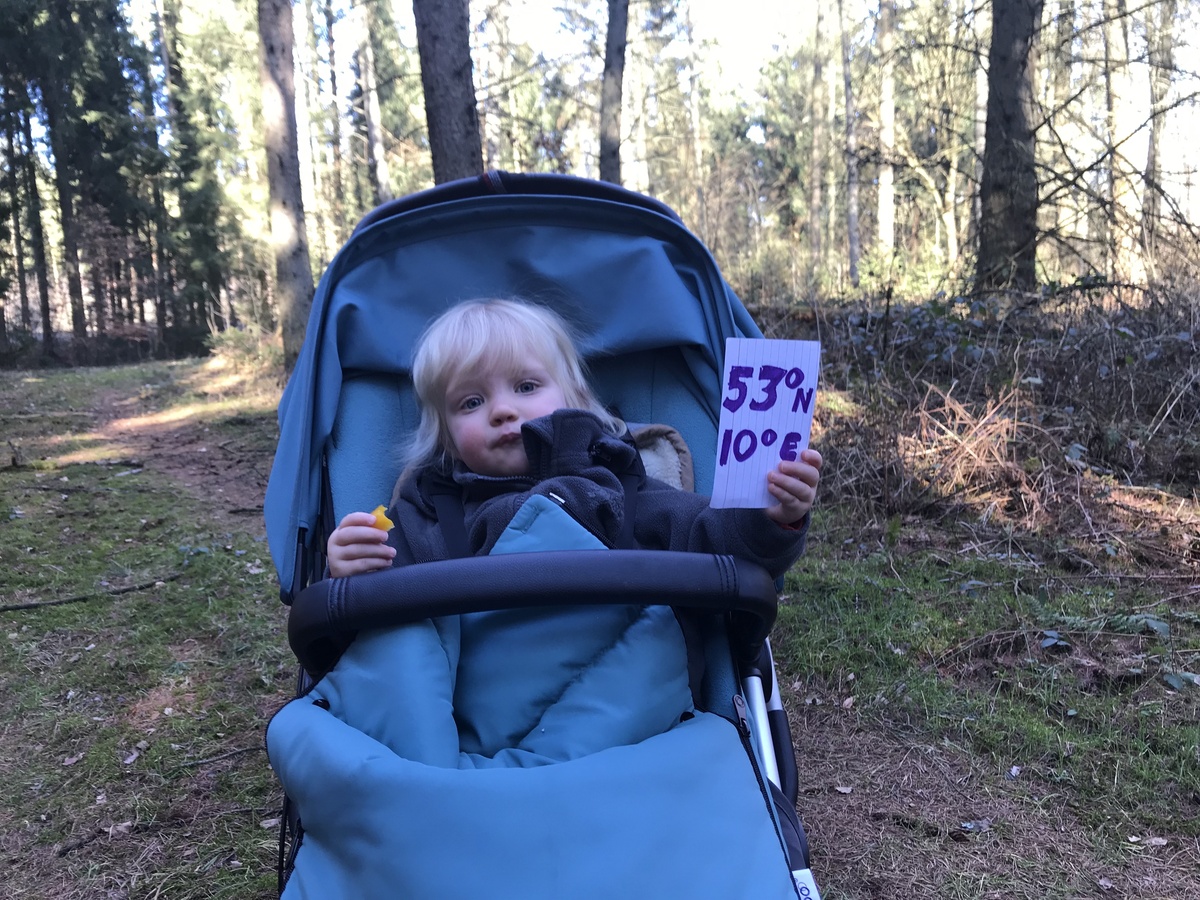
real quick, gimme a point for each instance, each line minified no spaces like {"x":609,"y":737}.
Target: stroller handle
{"x":325,"y":615}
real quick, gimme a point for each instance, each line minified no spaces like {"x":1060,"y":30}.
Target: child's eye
{"x":527,"y":387}
{"x":470,"y":403}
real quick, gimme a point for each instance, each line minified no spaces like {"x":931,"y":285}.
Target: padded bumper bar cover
{"x":325,"y":614}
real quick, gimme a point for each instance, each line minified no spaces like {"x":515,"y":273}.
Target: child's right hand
{"x":357,"y":546}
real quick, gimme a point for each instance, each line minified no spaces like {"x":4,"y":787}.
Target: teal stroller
{"x":445,"y":741}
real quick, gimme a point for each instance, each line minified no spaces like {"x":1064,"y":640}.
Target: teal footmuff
{"x":556,"y":749}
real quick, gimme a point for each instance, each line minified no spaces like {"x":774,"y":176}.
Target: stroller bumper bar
{"x":325,"y":614}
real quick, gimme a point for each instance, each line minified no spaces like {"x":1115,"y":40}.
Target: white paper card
{"x":766,"y":415}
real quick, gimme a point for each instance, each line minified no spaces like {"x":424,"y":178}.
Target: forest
{"x":987,"y":211}
{"x":899,"y":151}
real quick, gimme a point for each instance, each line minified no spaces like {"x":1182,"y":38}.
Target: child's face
{"x":485,"y":409}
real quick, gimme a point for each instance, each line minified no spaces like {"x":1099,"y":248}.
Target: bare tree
{"x":817,"y":156}
{"x":337,"y":197}
{"x":981,"y":22}
{"x":37,"y":235}
{"x":1124,"y":140}
{"x":695,"y":119}
{"x":443,"y":42}
{"x":886,"y":197}
{"x":15,"y":210}
{"x":610,"y":91}
{"x":377,"y":165}
{"x":1160,"y":45}
{"x":853,"y":240}
{"x":293,"y":277}
{"x":1009,"y":193}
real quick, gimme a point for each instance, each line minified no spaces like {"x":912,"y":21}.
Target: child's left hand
{"x":794,"y":484}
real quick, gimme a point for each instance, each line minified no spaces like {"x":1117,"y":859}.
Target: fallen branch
{"x":128,"y":589}
{"x":218,"y":757}
{"x":70,"y":845}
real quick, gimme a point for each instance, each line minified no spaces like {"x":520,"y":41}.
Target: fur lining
{"x":665,"y":455}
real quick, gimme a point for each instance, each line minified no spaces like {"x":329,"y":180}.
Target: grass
{"x":978,"y":713}
{"x":138,"y":681}
{"x":1059,"y":694}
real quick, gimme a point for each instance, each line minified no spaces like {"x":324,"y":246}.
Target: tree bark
{"x":1160,"y":41}
{"x":293,"y":277}
{"x":37,"y":234}
{"x":980,"y":20}
{"x":831,"y":261}
{"x":55,"y":123}
{"x":15,"y":195}
{"x":314,"y":121}
{"x":1124,"y":139}
{"x":816,"y":162}
{"x":337,"y":200}
{"x":377,"y":165}
{"x":1062,"y":197}
{"x":443,"y":43}
{"x":610,"y":91}
{"x":886,"y":199}
{"x":1009,"y":192}
{"x":853,"y":241}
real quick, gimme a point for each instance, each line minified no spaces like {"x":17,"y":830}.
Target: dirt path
{"x":219,"y":457}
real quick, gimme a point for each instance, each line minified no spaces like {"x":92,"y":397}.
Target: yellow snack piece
{"x":381,"y":519}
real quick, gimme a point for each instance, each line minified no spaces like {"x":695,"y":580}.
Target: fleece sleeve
{"x":670,"y":519}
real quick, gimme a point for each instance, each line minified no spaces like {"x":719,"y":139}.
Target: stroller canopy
{"x":620,"y":267}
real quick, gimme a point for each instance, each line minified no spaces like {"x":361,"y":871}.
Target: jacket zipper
{"x":588,"y":528}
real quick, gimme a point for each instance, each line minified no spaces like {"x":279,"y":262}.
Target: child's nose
{"x":502,"y":412}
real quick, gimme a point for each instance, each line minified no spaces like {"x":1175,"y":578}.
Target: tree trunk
{"x":158,"y":214}
{"x":15,"y":195}
{"x":443,"y":43}
{"x":832,"y":173}
{"x":950,"y":201}
{"x":1160,"y":41}
{"x":492,"y":85}
{"x":37,"y":234}
{"x":337,"y":199}
{"x":853,"y":242}
{"x":816,"y":162}
{"x":980,"y":20}
{"x":172,"y":81}
{"x":99,"y":293}
{"x":66,"y":210}
{"x":1065,"y":214}
{"x":610,"y":91}
{"x":313,"y":127}
{"x":636,"y":170}
{"x":886,"y":200}
{"x":1124,"y":141}
{"x":293,"y":277}
{"x":697,"y":143}
{"x":377,"y":165}
{"x":1009,"y":192}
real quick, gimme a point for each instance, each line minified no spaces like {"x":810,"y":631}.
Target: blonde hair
{"x":491,"y":334}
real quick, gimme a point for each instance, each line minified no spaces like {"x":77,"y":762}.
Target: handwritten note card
{"x":766,"y":415}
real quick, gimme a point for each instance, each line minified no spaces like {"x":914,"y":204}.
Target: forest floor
{"x":978,"y":711}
